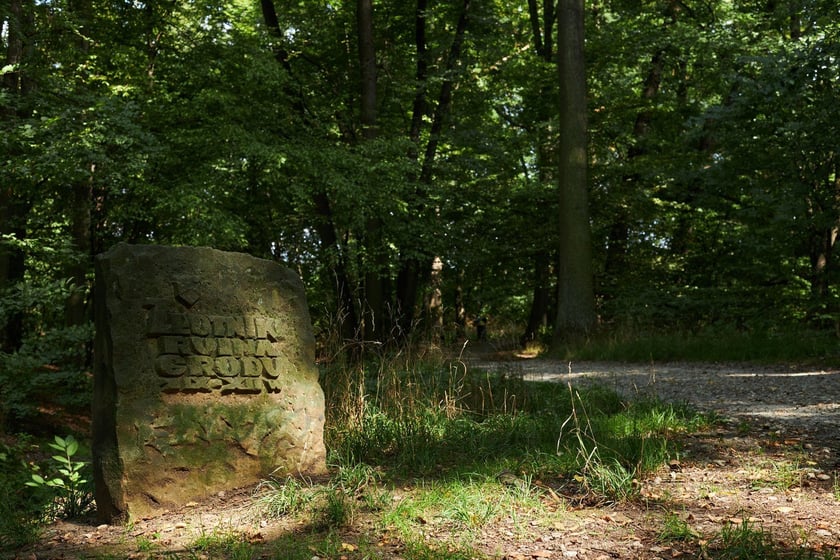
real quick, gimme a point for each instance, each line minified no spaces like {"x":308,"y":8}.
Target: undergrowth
{"x":443,"y":420}
{"x":417,"y":441}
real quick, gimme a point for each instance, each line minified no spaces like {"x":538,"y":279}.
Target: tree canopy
{"x":406,"y":159}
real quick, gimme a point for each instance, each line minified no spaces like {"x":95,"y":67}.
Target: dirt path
{"x":772,"y":463}
{"x":804,"y":400}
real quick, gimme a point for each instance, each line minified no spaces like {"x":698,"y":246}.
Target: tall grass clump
{"x":412,"y":414}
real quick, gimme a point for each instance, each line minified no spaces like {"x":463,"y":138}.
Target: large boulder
{"x":205,"y":378}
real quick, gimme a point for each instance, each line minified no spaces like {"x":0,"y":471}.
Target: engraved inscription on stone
{"x":216,"y":353}
{"x":204,"y":378}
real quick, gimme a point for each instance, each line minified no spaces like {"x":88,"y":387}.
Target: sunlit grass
{"x":471,"y":448}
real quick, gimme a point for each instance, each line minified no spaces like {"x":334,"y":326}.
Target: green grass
{"x":223,"y":544}
{"x":424,"y":456}
{"x":750,"y":541}
{"x":425,"y":466}
{"x":452,"y":432}
{"x":778,"y":474}
{"x":675,"y":529}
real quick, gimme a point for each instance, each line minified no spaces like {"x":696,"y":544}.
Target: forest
{"x":415,"y":163}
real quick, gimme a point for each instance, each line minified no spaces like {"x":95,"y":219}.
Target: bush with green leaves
{"x":68,"y":488}
{"x":21,"y":506}
{"x":49,"y":366}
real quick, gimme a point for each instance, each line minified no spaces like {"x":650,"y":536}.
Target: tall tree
{"x":376,"y":275}
{"x":576,"y":297}
{"x":18,"y":83}
{"x":544,"y":107}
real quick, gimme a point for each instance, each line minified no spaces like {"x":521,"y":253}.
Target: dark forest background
{"x":407,"y":160}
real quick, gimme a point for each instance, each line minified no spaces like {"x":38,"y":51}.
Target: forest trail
{"x":770,"y":463}
{"x":802,"y":399}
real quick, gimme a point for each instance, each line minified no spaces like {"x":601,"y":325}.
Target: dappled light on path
{"x":809,"y":398}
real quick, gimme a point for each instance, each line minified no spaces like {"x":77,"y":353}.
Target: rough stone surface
{"x":205,"y":378}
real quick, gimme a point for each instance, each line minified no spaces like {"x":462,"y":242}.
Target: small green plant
{"x":72,"y":496}
{"x":675,"y":528}
{"x":744,"y":542}
{"x":600,"y":473}
{"x":835,"y":487}
{"x":224,"y":544}
{"x":145,"y":544}
{"x":334,"y":508}
{"x":744,"y":428}
{"x":283,"y":497}
{"x":780,"y":475}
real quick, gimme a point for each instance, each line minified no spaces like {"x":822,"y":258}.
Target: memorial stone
{"x":205,"y":378}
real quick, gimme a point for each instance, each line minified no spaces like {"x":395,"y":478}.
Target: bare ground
{"x":772,"y":463}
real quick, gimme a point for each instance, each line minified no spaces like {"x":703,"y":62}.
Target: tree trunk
{"x":575,"y":293}
{"x":540,"y":300}
{"x":376,"y":268}
{"x":434,"y":301}
{"x":347,"y":317}
{"x":414,"y":271}
{"x":543,"y":35}
{"x":14,"y":207}
{"x":445,"y":97}
{"x":76,"y":309}
{"x":12,"y":264}
{"x":367,"y":67}
{"x":419,"y":106}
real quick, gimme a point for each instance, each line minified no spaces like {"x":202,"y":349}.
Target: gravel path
{"x":802,"y":399}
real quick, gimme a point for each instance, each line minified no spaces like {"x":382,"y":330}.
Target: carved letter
{"x":174,"y":345}
{"x":203,"y":346}
{"x":272,"y":385}
{"x":199,"y":366}
{"x":200,"y":325}
{"x":270,"y":367}
{"x":170,"y":365}
{"x":227,"y":326}
{"x":224,"y":346}
{"x":251,"y":367}
{"x":265,"y":348}
{"x":228,"y":367}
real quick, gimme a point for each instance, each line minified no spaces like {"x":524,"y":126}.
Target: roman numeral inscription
{"x":216,"y":353}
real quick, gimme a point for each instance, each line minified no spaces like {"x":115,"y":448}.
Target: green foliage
{"x":675,"y":528}
{"x":277,"y":498}
{"x":614,"y":450}
{"x":69,"y":492}
{"x":745,"y":541}
{"x":21,"y":510}
{"x":724,"y":344}
{"x":48,"y":366}
{"x":221,"y":544}
{"x":712,"y":170}
{"x":454,"y":422}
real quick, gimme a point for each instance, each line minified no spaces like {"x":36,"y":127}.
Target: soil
{"x":771,"y":462}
